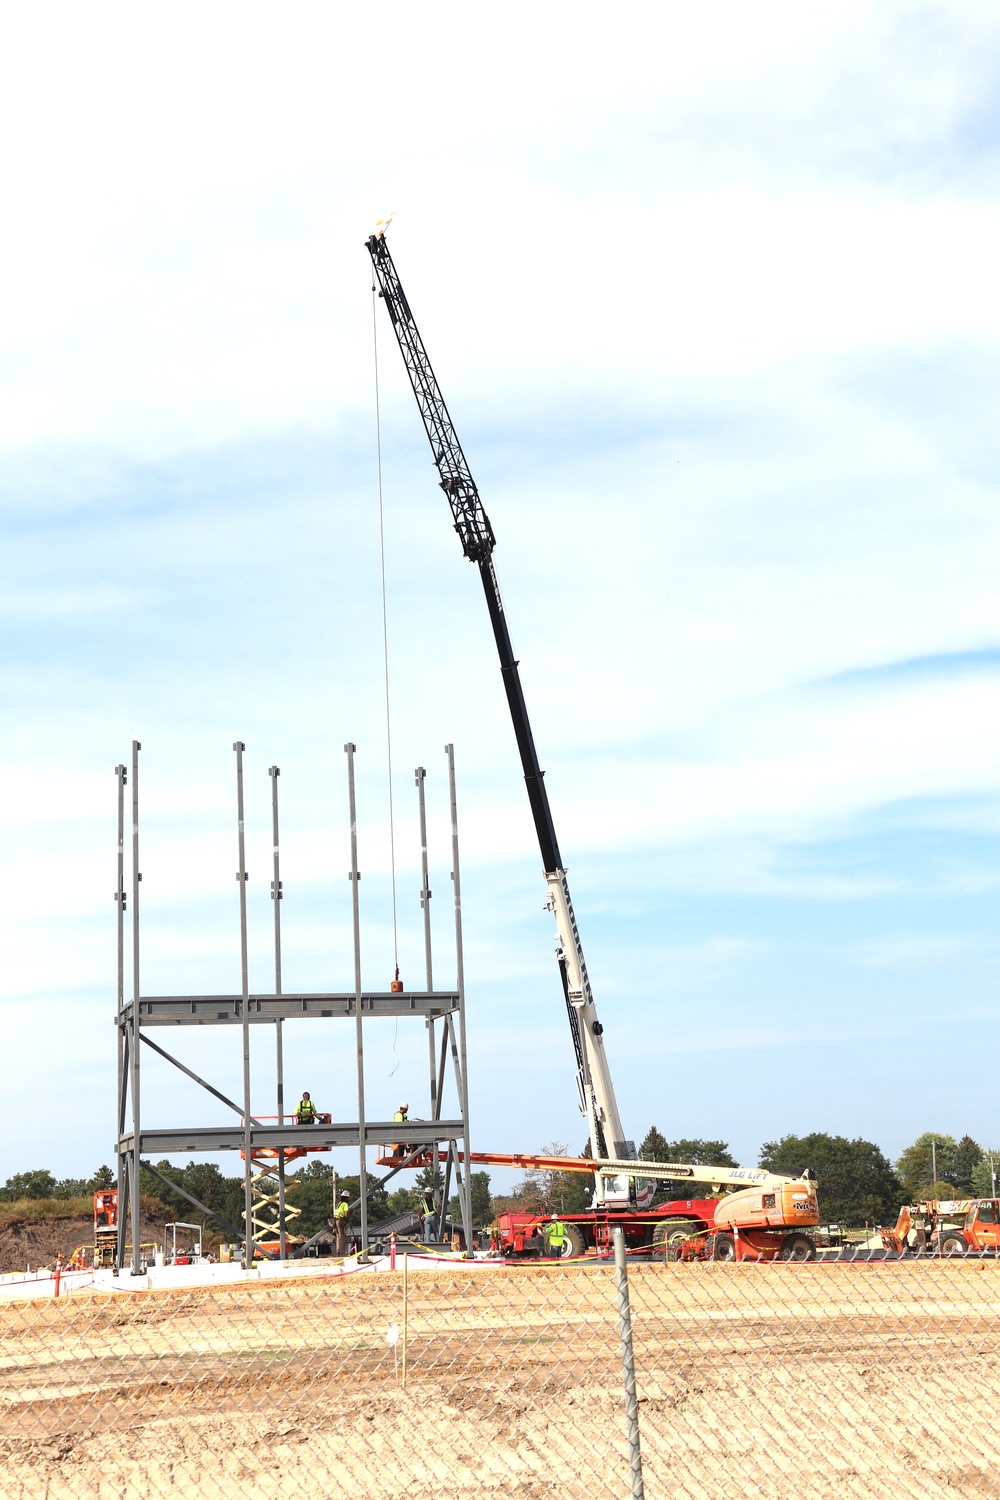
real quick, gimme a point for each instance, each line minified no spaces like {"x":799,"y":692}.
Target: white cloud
{"x":712,"y":297}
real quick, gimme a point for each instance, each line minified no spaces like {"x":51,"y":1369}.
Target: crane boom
{"x":475,"y":532}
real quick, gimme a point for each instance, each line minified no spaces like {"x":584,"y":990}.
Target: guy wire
{"x":385,"y":636}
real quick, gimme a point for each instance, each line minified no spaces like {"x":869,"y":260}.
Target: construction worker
{"x":398,"y":1148}
{"x":306,"y":1112}
{"x":428,"y":1212}
{"x":341,"y":1222}
{"x":555,"y":1233}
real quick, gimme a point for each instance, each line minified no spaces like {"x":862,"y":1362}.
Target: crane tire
{"x":672,"y":1231}
{"x":798,"y":1247}
{"x":723,"y":1247}
{"x":574,"y":1244}
{"x":953,"y":1244}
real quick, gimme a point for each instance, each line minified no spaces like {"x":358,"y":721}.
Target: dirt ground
{"x":771,"y":1381}
{"x":38,"y":1242}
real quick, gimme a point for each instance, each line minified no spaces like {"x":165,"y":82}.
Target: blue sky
{"x":713,"y":300}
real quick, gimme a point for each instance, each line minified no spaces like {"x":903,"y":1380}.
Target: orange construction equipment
{"x":770,"y":1211}
{"x":105,"y":1226}
{"x":946,"y":1226}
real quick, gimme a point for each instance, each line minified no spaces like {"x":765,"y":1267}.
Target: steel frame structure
{"x":443,"y":1013}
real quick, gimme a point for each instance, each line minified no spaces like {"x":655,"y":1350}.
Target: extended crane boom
{"x":597,"y":1094}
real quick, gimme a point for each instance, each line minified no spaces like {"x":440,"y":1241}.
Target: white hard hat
{"x":345,"y":1195}
{"x":555,"y":1218}
{"x":404,"y":1105}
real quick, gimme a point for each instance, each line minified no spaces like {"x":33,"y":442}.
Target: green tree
{"x":916,"y":1167}
{"x":482,"y":1202}
{"x":856,"y":1182}
{"x":102,"y":1178}
{"x":698,"y":1153}
{"x":655,"y":1147}
{"x":482,"y":1199}
{"x":70,"y":1187}
{"x":37,"y":1184}
{"x":314,"y":1195}
{"x":402,"y":1201}
{"x":984,"y":1172}
{"x":205,"y":1182}
{"x":968,"y":1155}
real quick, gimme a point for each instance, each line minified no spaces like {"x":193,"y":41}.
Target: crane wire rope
{"x":385,"y":651}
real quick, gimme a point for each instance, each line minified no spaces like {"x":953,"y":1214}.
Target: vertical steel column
{"x":121,"y":776}
{"x":134,"y":1030}
{"x":354,"y":877}
{"x":425,"y":892}
{"x":425,"y":906}
{"x":241,"y":876}
{"x":274,"y":773}
{"x":463,"y":1081}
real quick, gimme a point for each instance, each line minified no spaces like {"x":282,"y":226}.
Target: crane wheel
{"x":953,"y":1244}
{"x":574,"y":1244}
{"x":798,"y":1247}
{"x":723,"y":1247}
{"x":671,"y":1231}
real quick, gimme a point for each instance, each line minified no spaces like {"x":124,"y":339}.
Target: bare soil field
{"x":37,"y":1242}
{"x":772,"y":1381}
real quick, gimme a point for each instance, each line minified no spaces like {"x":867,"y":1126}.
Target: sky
{"x":712,"y":296}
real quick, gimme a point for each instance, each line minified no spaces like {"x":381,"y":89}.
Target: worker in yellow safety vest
{"x":399,"y":1148}
{"x":555,"y":1233}
{"x":306,"y":1112}
{"x":428,"y":1211}
{"x":341,"y":1218}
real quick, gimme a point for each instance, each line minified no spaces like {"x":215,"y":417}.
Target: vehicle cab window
{"x":986,"y":1213}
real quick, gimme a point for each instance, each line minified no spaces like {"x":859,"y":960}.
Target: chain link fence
{"x":752,"y":1380}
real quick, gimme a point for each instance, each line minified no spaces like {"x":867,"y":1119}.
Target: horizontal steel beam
{"x":315,"y":1137}
{"x":222,"y":1010}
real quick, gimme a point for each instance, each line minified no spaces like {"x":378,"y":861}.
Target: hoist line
{"x":385,"y":634}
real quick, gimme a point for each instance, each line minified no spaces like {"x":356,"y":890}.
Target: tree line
{"x":858,"y":1184}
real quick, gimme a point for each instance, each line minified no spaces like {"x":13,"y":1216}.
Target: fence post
{"x":628,"y":1365}
{"x":405,"y":1318}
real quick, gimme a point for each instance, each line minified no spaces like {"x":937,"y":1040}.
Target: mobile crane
{"x":608,"y":1142}
{"x":597,"y":1093}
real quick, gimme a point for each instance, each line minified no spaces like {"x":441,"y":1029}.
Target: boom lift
{"x":616,"y":1180}
{"x":771,"y":1211}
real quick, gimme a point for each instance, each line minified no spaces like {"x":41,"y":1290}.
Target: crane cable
{"x":385,"y":653}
